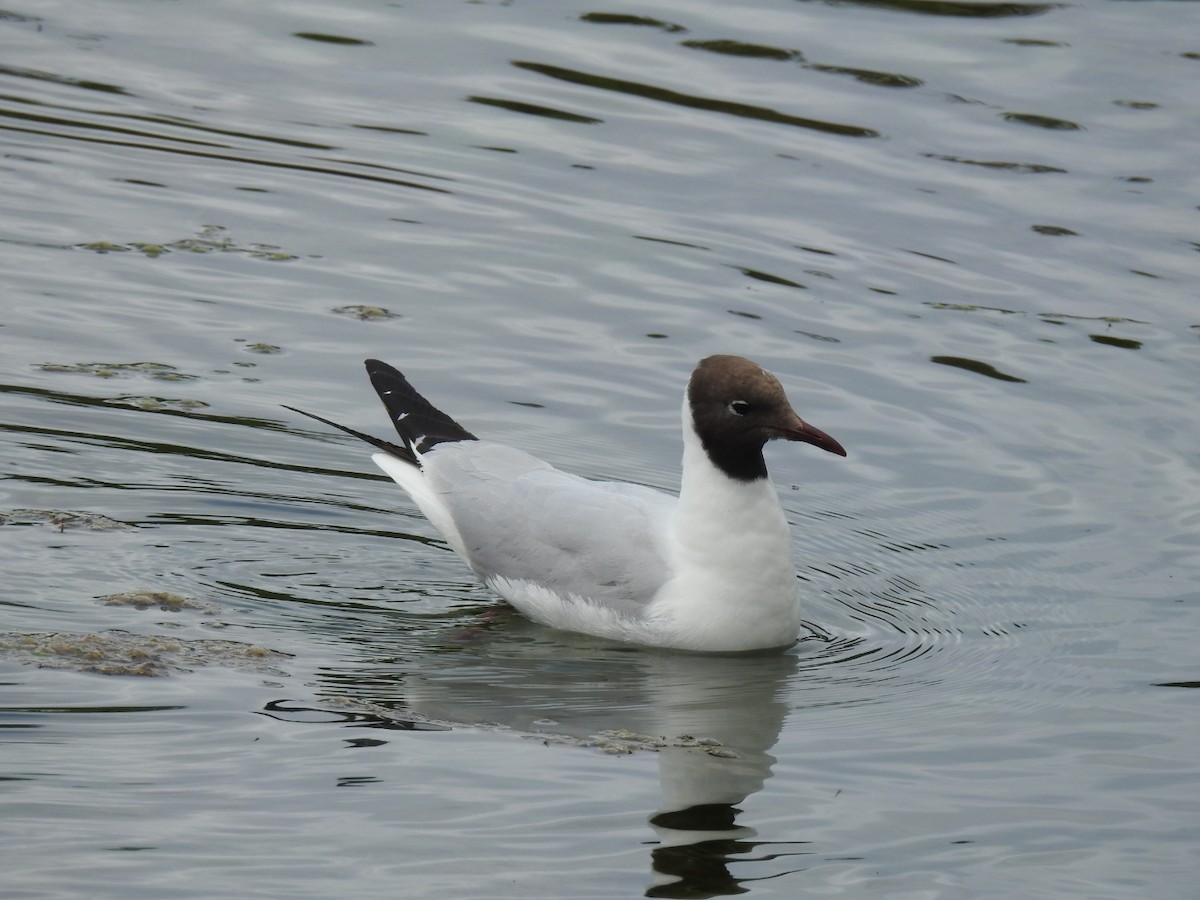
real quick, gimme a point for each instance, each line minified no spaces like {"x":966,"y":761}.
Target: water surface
{"x":237,"y":662}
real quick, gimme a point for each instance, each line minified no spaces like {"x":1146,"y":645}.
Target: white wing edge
{"x":412,"y":479}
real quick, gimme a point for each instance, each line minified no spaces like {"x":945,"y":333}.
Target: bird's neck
{"x":729,"y":546}
{"x":717,"y":513}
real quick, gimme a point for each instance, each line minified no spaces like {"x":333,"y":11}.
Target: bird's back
{"x":518,"y":518}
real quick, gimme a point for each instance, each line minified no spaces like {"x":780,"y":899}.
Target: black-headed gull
{"x":710,"y":570}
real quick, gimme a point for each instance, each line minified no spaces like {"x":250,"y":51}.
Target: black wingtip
{"x":421,"y":424}
{"x":387,"y":446}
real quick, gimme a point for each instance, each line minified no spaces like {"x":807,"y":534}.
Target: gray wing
{"x":521,"y":518}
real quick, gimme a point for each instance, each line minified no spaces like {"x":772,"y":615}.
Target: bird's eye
{"x":739,"y":408}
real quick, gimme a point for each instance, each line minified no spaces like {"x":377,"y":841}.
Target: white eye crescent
{"x":739,"y":407}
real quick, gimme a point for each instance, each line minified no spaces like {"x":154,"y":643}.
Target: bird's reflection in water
{"x":736,"y":702}
{"x":697,"y":845}
{"x":712,"y":720}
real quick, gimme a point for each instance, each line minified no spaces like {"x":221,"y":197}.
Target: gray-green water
{"x":235,"y":663}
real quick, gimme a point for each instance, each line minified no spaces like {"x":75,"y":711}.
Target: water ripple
{"x":693,"y":101}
